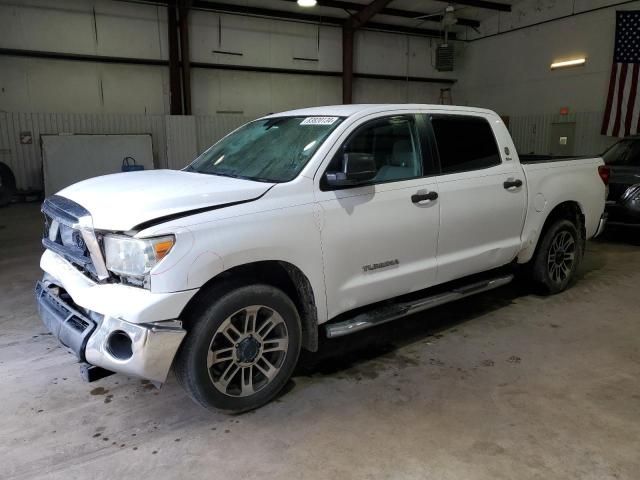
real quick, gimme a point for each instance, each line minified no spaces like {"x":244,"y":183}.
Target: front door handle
{"x":421,"y":197}
{"x":512,"y":183}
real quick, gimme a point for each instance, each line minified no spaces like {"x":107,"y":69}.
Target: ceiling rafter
{"x":307,"y":17}
{"x":297,"y":16}
{"x":360,"y":18}
{"x":392,"y":12}
{"x":489,"y":5}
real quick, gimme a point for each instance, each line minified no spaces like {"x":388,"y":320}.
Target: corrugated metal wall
{"x":26,"y":159}
{"x":176,"y":139}
{"x":181,"y":140}
{"x":531,"y":133}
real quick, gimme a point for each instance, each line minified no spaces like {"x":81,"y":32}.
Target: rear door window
{"x":464,"y":143}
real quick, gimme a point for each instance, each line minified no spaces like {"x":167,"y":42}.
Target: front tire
{"x":239,"y":351}
{"x":557,"y":257}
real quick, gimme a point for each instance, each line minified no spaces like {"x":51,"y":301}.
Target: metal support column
{"x":347,"y":64}
{"x":185,"y":57}
{"x":175,"y":98}
{"x":354,"y":22}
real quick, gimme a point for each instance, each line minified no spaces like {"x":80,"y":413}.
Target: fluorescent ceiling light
{"x":307,"y":3}
{"x":569,"y":63}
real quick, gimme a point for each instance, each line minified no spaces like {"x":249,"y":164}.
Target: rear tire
{"x":7,"y":185}
{"x":241,"y":349}
{"x":557,"y":257}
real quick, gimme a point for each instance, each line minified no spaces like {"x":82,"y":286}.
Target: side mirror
{"x":357,"y":168}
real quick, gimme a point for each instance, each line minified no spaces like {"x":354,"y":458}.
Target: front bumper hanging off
{"x":144,"y":350}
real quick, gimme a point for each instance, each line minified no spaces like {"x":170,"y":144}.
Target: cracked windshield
{"x":269,"y":150}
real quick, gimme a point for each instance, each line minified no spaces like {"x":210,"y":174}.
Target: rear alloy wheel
{"x":561,"y":257}
{"x":240,"y":350}
{"x":557,"y":257}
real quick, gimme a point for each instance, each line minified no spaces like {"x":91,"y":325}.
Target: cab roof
{"x":368,"y":108}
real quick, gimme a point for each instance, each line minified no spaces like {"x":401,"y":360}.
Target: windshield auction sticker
{"x":319,"y":121}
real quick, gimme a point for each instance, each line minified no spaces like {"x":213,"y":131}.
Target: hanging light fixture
{"x":307,"y":3}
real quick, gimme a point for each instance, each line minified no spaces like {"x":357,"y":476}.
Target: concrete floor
{"x":505,"y":385}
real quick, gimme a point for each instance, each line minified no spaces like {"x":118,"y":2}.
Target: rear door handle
{"x":421,"y":197}
{"x":512,"y":183}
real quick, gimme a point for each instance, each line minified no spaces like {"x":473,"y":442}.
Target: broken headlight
{"x":135,"y":257}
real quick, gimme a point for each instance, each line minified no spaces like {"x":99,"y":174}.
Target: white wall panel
{"x":421,"y":57}
{"x":378,"y":91}
{"x":419,"y":92}
{"x":14,"y":85}
{"x":299,"y":91}
{"x":588,"y":138}
{"x":215,"y":91}
{"x":134,"y":89}
{"x":52,"y":89}
{"x":118,"y":28}
{"x":64,"y":26}
{"x":248,"y":93}
{"x":263,"y":42}
{"x":329,"y":90}
{"x":294,"y":40}
{"x":68,"y":159}
{"x":330,"y":55}
{"x":203,"y":35}
{"x":42,"y":85}
{"x":378,"y":52}
{"x":131,"y":30}
{"x":48,"y":85}
{"x":254,"y":94}
{"x":368,"y":90}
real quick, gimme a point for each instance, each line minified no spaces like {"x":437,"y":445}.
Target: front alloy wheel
{"x":247,"y":351}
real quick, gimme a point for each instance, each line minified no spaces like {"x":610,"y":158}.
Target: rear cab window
{"x":464,"y":143}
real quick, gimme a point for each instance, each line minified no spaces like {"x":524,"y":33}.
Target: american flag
{"x":622,"y":114}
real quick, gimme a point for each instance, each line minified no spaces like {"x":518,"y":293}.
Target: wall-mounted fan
{"x":447,"y":16}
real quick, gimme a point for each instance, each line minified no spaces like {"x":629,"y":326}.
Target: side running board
{"x":391,"y":312}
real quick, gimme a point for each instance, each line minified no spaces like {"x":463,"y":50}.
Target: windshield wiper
{"x":240,"y":177}
{"x":219,"y":174}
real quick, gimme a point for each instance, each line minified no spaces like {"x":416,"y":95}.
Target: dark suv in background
{"x":623,"y":202}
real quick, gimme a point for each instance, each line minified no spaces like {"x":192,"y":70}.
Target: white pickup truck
{"x":317,"y":221}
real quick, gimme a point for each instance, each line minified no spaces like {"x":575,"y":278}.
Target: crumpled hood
{"x":124,"y":200}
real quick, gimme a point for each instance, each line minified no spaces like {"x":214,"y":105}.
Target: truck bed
{"x":551,"y":158}
{"x":548,"y":183}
